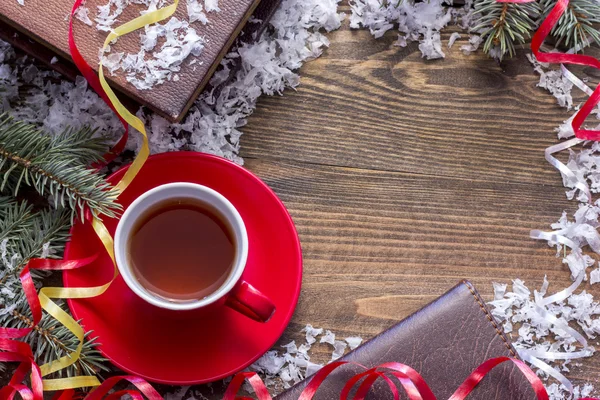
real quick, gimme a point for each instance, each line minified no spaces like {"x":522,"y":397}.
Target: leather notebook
{"x":444,"y":342}
{"x":40,"y":29}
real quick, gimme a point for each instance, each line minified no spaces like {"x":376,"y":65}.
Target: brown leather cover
{"x":46,"y":21}
{"x":444,"y":342}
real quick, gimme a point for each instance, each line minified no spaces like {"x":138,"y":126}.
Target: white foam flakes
{"x":526,"y":322}
{"x":82,"y":14}
{"x":214,"y":121}
{"x":151,"y":67}
{"x":453,"y":38}
{"x":21,"y":2}
{"x":353,"y":342}
{"x":418,"y":21}
{"x":282,"y":370}
{"x":553,"y":81}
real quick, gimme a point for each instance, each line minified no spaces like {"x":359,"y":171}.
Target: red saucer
{"x":199,"y":346}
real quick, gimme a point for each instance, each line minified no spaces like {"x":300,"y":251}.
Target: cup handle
{"x":247,"y":300}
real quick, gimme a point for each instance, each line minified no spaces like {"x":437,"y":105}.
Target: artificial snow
{"x":328,"y":337}
{"x":419,"y":21}
{"x":214,"y":121}
{"x":353,"y":342}
{"x":212,"y":5}
{"x":554,"y":81}
{"x":195,"y":12}
{"x":82,"y":14}
{"x":473,"y":45}
{"x":150,"y":67}
{"x":453,"y":38}
{"x":526,"y":322}
{"x":284,"y":369}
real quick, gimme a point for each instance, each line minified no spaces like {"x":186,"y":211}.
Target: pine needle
{"x":56,"y":166}
{"x":504,"y":24}
{"x":25,"y":234}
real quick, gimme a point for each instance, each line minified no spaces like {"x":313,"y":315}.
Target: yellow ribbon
{"x":46,"y":294}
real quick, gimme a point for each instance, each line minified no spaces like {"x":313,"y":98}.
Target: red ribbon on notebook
{"x":413,"y":383}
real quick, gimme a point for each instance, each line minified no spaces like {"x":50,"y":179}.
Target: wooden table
{"x":404,"y":176}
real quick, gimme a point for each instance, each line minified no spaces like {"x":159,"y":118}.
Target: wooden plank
{"x":369,"y":104}
{"x":376,"y":237}
{"x":379,"y":245}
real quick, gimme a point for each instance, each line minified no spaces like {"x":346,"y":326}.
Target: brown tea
{"x":181,"y":249}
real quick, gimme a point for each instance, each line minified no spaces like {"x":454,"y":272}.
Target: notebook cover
{"x":444,"y":342}
{"x":46,"y":22}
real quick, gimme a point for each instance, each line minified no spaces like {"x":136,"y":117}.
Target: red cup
{"x":235,"y":291}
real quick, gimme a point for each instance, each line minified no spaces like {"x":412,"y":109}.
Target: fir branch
{"x":55,"y":165}
{"x":575,"y":27}
{"x":29,"y":234}
{"x":25,"y":234}
{"x":51,"y":340}
{"x":504,"y":24}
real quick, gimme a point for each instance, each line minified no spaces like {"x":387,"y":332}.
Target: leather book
{"x":445,"y":341}
{"x":40,"y":29}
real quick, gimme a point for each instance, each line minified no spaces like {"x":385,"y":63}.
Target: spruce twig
{"x":55,"y":165}
{"x":25,"y":234}
{"x":575,"y":27}
{"x":504,"y":24}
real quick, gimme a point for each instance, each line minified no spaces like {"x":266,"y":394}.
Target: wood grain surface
{"x":404,"y":176}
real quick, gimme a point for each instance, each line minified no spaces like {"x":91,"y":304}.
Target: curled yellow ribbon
{"x":46,"y":294}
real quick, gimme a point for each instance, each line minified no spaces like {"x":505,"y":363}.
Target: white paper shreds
{"x":354,"y":342}
{"x":82,"y":14}
{"x":419,"y":21}
{"x":554,"y":82}
{"x":282,"y":369}
{"x":151,"y":66}
{"x":526,"y":322}
{"x":453,"y":38}
{"x":213,"y":123}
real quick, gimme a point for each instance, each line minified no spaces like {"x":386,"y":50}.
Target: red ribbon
{"x":89,"y":74}
{"x":562,"y":58}
{"x":15,"y":351}
{"x":412,"y":382}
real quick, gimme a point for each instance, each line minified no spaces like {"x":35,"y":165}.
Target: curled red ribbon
{"x":562,"y":58}
{"x":89,"y":74}
{"x":15,"y":351}
{"x":412,"y":382}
